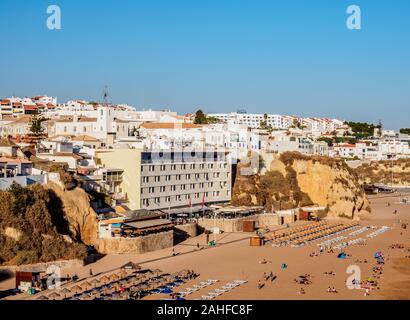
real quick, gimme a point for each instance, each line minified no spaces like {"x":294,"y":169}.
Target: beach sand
{"x":233,"y":259}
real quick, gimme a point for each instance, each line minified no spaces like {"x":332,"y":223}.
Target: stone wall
{"x":190,"y":229}
{"x":236,"y":225}
{"x":138,"y":245}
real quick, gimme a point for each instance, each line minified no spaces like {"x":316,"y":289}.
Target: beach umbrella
{"x":95,"y":282}
{"x":76,"y":289}
{"x":54,"y":295}
{"x":65,"y":291}
{"x":86,"y":285}
{"x":166,"y":291}
{"x":114,"y":277}
{"x":122,"y":273}
{"x":104,"y":279}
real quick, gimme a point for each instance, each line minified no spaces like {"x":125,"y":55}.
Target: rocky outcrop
{"x":292,"y":180}
{"x":386,"y":172}
{"x":81,"y":217}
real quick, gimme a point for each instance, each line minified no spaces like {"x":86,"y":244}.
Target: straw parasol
{"x":54,"y":295}
{"x":65,"y":291}
{"x":122,"y":273}
{"x":95,"y":282}
{"x":86,"y":285}
{"x":104,"y":279}
{"x":156,"y":271}
{"x":114,"y":277}
{"x":76,"y":289}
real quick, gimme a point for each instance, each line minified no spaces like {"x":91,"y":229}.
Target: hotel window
{"x":151,"y":190}
{"x":162,"y":189}
{"x":192,"y":186}
{"x":173,"y":188}
{"x":168,"y":178}
{"x":183,"y":166}
{"x":145,"y":179}
{"x":183,"y":186}
{"x":157,"y":178}
{"x":168,"y":199}
{"x":178,"y":197}
{"x":163,"y":167}
{"x":196,"y":175}
{"x":157,"y":200}
{"x":173,"y":167}
{"x":188,"y":176}
{"x":151,"y":168}
{"x":178,"y":177}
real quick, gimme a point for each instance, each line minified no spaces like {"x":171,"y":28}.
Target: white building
{"x":254,"y":120}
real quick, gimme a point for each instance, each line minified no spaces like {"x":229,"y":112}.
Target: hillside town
{"x":95,"y":141}
{"x":142,"y":182}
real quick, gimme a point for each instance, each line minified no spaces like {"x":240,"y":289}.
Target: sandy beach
{"x":234,"y":259}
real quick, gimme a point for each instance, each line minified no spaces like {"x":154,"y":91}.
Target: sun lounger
{"x":184,"y":293}
{"x":240,"y":281}
{"x":227,"y":288}
{"x":214,"y":294}
{"x":220,"y":290}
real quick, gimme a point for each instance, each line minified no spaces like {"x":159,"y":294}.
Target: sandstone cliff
{"x":292,"y":180}
{"x":37,"y":224}
{"x":81,"y":217}
{"x":387,"y":172}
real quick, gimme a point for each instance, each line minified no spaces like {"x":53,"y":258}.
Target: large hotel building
{"x":170,"y":180}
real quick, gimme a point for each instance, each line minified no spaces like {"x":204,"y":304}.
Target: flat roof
{"x":148,"y":223}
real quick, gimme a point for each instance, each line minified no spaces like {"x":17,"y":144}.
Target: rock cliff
{"x":291,"y":180}
{"x":386,"y":172}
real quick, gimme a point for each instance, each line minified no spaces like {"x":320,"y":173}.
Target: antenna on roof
{"x":106,"y":95}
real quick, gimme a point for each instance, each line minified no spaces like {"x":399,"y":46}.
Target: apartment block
{"x":170,"y":179}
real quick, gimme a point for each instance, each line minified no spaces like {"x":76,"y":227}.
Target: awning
{"x":147,"y":223}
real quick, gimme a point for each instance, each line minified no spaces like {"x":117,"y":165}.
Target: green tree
{"x":362,"y":129}
{"x":405,"y":131}
{"x":36,"y":126}
{"x":200,"y":117}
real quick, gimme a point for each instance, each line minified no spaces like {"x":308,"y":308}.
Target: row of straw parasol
{"x":301,"y":234}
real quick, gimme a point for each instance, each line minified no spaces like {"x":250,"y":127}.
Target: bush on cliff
{"x":38,"y":216}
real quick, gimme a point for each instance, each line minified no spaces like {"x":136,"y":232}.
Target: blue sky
{"x":288,"y":57}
